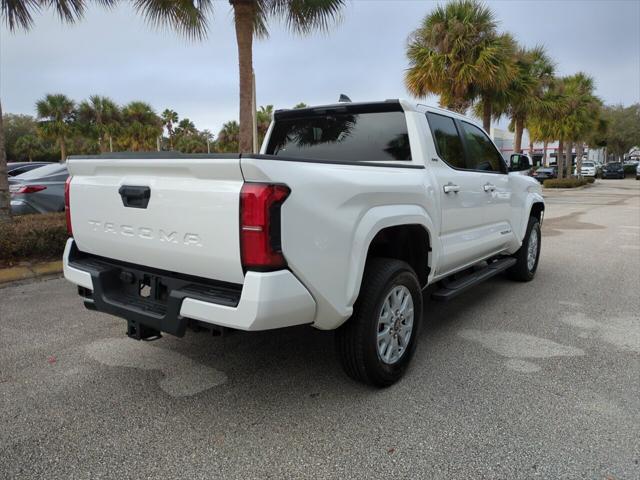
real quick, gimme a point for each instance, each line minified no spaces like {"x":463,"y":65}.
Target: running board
{"x":456,"y":287}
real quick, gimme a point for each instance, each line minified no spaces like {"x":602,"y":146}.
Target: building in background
{"x":505,"y":140}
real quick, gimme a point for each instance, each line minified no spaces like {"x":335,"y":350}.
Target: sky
{"x":115,"y":53}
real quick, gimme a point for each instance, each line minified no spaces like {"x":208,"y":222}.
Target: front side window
{"x":351,"y":137}
{"x":447,"y":140}
{"x":481,"y":153}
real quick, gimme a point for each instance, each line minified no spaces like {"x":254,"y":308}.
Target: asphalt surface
{"x":511,"y":380}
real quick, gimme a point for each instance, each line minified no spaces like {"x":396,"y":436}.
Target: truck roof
{"x":393,"y":104}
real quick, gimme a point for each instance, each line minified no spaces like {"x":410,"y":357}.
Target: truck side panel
{"x":321,"y":240}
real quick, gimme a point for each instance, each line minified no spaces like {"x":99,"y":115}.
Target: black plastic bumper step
{"x":456,"y":287}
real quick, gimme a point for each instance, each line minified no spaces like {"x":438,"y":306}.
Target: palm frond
{"x":187,"y":17}
{"x":19,"y":13}
{"x":305,"y":16}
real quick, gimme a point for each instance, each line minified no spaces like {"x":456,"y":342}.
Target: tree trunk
{"x":519,"y":132}
{"x":102,"y":144}
{"x":545,"y":161}
{"x":244,"y":12}
{"x":568,"y":161}
{"x":560,"y":159}
{"x":486,"y":114}
{"x":531,"y":150}
{"x":111,"y":143}
{"x":5,"y":198}
{"x":63,"y":150}
{"x":579,"y":150}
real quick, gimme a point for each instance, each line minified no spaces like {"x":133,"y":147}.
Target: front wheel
{"x":376,"y":344}
{"x":528,"y":254}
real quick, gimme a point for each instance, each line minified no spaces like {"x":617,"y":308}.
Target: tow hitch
{"x":137,"y":331}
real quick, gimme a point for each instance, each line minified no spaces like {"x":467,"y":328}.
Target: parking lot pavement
{"x":510,"y":380}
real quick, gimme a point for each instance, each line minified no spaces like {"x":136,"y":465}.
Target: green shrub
{"x":33,"y":237}
{"x":590,"y":179}
{"x":629,"y":169}
{"x":565,"y":182}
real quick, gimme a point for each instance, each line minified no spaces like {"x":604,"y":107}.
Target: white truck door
{"x":463,"y":201}
{"x":485,"y":160}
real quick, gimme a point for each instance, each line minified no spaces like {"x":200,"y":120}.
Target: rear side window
{"x":447,"y":140}
{"x":352,"y":137}
{"x":481,"y":153}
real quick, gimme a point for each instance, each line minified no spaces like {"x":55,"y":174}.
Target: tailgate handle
{"x":135,"y":196}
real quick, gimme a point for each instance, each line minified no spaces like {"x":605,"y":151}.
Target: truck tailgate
{"x":190,"y":224}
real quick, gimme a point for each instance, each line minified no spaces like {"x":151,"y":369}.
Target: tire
{"x":521,"y":271}
{"x":357,"y":340}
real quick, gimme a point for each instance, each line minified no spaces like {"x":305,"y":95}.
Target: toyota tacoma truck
{"x":343,"y":220}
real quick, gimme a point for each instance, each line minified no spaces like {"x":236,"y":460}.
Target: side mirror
{"x":519,"y":163}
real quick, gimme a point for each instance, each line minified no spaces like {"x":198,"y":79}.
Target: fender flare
{"x":370,"y":224}
{"x":532,"y":197}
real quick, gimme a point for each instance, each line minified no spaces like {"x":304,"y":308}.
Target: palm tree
{"x":140,"y":127}
{"x":457,"y":53}
{"x":56,"y":113}
{"x":263,"y":119}
{"x":228,"y":137}
{"x":301,"y":105}
{"x":186,"y":127}
{"x":251,"y":19}
{"x":540,"y":131}
{"x":528,"y":92}
{"x":582,"y":114}
{"x":169,"y":119}
{"x":99,"y":113}
{"x":207,"y":137}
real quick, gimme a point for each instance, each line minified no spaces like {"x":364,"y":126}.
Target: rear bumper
{"x":265,"y":301}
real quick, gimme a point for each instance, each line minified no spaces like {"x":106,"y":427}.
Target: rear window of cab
{"x":348,"y":135}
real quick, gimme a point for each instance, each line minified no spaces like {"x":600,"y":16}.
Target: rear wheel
{"x":376,"y":344}
{"x":528,"y":254}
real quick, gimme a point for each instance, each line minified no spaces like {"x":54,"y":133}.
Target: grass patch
{"x":33,"y":237}
{"x":565,"y":182}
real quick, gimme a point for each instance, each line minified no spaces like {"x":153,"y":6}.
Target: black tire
{"x":356,"y":340}
{"x":521,"y":271}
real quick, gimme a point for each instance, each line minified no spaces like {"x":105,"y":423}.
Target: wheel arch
{"x":384,"y":231}
{"x":534,"y":206}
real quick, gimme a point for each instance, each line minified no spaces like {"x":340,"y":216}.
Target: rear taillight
{"x":67,"y":208}
{"x":27,"y":188}
{"x":260,"y":225}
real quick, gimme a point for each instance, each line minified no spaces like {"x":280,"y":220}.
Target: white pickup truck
{"x":341,"y":222}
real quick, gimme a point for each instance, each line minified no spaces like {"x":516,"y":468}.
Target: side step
{"x":455,"y":288}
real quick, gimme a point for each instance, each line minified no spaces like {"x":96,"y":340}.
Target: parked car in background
{"x":638,"y":172}
{"x":39,"y":191}
{"x":545,"y":173}
{"x":588,"y":169}
{"x":613,"y":170}
{"x":18,"y":168}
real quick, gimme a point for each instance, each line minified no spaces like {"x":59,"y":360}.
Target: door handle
{"x":135,"y":196}
{"x":451,"y":187}
{"x":489,"y":187}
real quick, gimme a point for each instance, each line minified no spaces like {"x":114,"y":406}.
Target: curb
{"x":25,"y":272}
{"x":570,"y":189}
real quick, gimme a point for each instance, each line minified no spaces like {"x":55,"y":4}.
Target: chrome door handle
{"x":450,"y":187}
{"x":489,"y":188}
